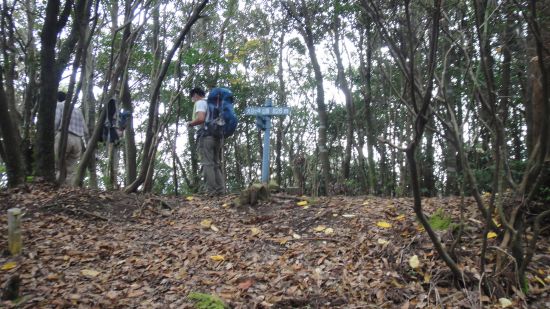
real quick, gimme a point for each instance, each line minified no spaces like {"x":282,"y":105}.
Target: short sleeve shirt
{"x":200,"y":106}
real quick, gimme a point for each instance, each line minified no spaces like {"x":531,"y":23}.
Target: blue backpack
{"x":222,"y":120}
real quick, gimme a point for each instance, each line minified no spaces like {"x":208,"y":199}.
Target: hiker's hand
{"x":188,"y":124}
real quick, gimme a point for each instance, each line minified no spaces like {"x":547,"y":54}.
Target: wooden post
{"x":14,"y":230}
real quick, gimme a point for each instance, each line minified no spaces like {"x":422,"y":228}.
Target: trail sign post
{"x":263,"y":121}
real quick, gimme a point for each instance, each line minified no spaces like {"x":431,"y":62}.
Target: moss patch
{"x":440,"y":220}
{"x":206,"y":301}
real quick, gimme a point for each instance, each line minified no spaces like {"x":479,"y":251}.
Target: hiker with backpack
{"x":209,"y":146}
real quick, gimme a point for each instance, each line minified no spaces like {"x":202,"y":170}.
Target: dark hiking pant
{"x":210,"y":151}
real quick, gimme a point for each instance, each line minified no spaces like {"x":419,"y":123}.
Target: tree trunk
{"x":11,"y":152}
{"x":89,"y":105}
{"x":155,"y":121}
{"x":428,"y":164}
{"x":45,"y":163}
{"x":342,"y":83}
{"x":539,"y":136}
{"x":321,"y":109}
{"x":9,"y":63}
{"x":129,"y":135}
{"x":369,"y":125}
{"x":281,"y":93}
{"x":31,"y":88}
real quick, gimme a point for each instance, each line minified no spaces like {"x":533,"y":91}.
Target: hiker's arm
{"x":201,"y":116}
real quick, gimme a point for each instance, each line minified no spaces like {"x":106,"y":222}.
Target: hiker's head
{"x":61,"y":96}
{"x":196,"y":94}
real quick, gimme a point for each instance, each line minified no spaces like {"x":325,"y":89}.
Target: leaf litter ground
{"x":92,"y":249}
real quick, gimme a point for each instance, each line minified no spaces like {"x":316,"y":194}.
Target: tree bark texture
{"x":45,"y":163}
{"x":10,"y":143}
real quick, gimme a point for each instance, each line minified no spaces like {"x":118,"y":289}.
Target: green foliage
{"x":206,"y":301}
{"x":440,"y":220}
{"x":297,"y":45}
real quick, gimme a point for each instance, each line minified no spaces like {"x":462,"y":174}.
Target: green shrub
{"x":206,"y":301}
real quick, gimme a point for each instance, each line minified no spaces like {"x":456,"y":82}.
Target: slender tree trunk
{"x":31,"y":88}
{"x":78,"y":35}
{"x":89,"y":106}
{"x":321,"y":110}
{"x":155,"y":122}
{"x":369,"y":125}
{"x":129,"y":136}
{"x":343,"y":84}
{"x":428,"y":164}
{"x":282,"y":102}
{"x":153,"y":108}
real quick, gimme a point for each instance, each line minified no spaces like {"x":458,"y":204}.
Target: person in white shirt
{"x":210,"y":148}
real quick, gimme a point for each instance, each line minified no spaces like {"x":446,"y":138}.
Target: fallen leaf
{"x":112,"y":294}
{"x":214,"y":228}
{"x":414,"y":262}
{"x":382,"y":241}
{"x":135,"y":293}
{"x":245,"y":285}
{"x":366,"y":203}
{"x":255,"y":231}
{"x":383,"y":224}
{"x":296,"y":236}
{"x":52,"y":277}
{"x":75,"y":296}
{"x":189,"y":198}
{"x":8,"y":266}
{"x":90,"y":273}
{"x":320,"y":228}
{"x":206,"y":223}
{"x":491,"y":235}
{"x":504,"y":302}
{"x":302,"y":203}
{"x":348,"y":215}
{"x":399,"y":218}
{"x":540,"y":281}
{"x":217,"y":258}
{"x":329,"y":231}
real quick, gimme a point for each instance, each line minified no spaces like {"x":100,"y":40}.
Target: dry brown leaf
{"x":90,"y":273}
{"x":135,"y":293}
{"x":245,"y":285}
